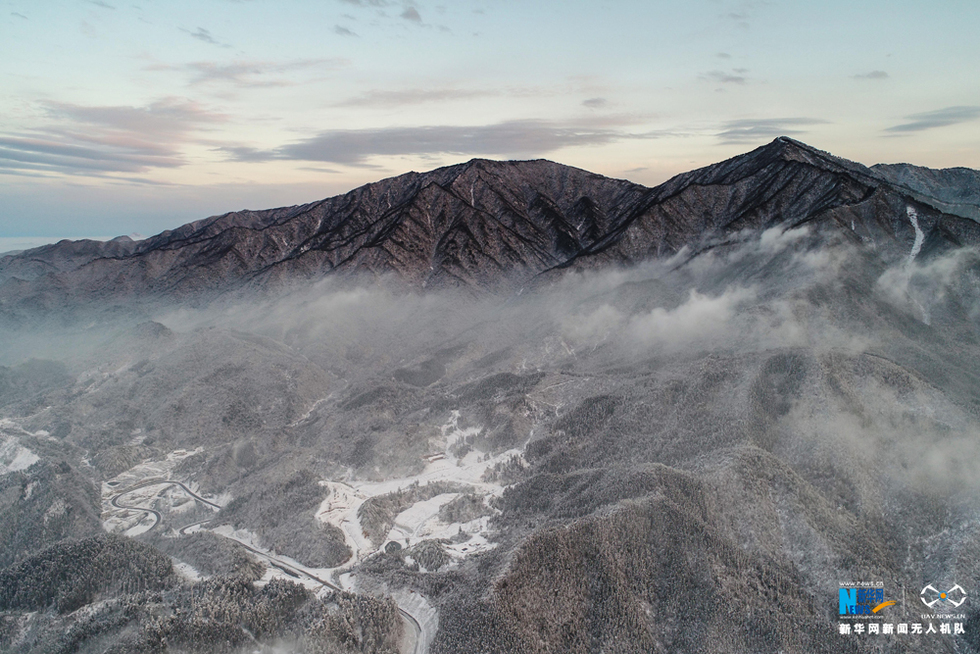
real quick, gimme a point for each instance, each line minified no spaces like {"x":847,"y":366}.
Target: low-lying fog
{"x":857,"y":377}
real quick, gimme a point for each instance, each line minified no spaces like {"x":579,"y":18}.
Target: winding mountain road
{"x":152,"y":512}
{"x":114,"y":500}
{"x":289,"y":569}
{"x":296,"y":571}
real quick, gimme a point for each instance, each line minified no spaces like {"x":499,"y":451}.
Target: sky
{"x":119,"y":117}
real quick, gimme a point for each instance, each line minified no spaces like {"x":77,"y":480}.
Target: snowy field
{"x":421,"y":520}
{"x":134,"y":501}
{"x":13,"y":455}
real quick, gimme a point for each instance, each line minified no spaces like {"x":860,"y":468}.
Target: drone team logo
{"x":933,"y":598}
{"x":862,"y":614}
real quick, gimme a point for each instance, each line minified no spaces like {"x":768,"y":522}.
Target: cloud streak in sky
{"x":394,"y":98}
{"x":938,"y":118}
{"x":875,"y":74}
{"x":390,"y":99}
{"x":752,"y":130}
{"x":249,"y":74}
{"x":204,"y":35}
{"x":510,"y":138}
{"x":721,"y":77}
{"x":107,"y":139}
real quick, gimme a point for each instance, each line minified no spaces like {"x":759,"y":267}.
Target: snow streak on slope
{"x":919,"y":235}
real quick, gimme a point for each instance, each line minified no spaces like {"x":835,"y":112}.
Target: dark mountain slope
{"x":63,"y":256}
{"x":957,"y":188}
{"x":488,"y":224}
{"x":784,"y":183}
{"x":666,"y":458}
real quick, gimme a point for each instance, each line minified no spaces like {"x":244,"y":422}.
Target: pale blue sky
{"x":122,"y":117}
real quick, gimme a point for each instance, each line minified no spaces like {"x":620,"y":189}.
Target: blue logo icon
{"x":862,"y":601}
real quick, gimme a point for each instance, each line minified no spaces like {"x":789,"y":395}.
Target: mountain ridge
{"x":487,"y":224}
{"x":691,"y":454}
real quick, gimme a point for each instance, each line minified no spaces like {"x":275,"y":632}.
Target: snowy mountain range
{"x":505,"y":407}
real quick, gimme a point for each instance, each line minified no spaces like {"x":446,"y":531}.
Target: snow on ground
{"x":92,"y":609}
{"x":913,"y":253}
{"x":278,"y":565}
{"x":920,"y":237}
{"x":346,"y":581}
{"x":11,"y":428}
{"x":144,"y":523}
{"x":307,"y":415}
{"x":424,"y":613}
{"x":14,"y":456}
{"x":421,"y":520}
{"x":161,"y":468}
{"x":412,"y":524}
{"x":179,"y":505}
{"x":418,"y":522}
{"x":453,"y":434}
{"x":340,"y":510}
{"x":186,"y":570}
{"x":120,"y":522}
{"x":163,"y":498}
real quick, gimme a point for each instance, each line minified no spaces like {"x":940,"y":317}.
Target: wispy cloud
{"x":107,"y":139}
{"x":753,"y":130}
{"x":342,"y":31}
{"x":721,"y":77}
{"x":937,"y":118}
{"x":744,"y":12}
{"x":367,"y":3}
{"x":320,"y":169}
{"x":394,"y":98}
{"x":18,"y":15}
{"x":411,"y":14}
{"x":204,"y":35}
{"x":249,"y":73}
{"x":163,"y":119}
{"x":99,"y":3}
{"x":511,"y":138}
{"x":741,"y":18}
{"x":248,"y":154}
{"x":45,"y":154}
{"x":875,"y":74}
{"x":399,"y":98}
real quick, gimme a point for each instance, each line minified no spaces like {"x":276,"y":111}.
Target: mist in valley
{"x":707,"y":438}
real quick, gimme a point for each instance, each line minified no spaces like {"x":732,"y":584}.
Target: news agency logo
{"x":937,"y":599}
{"x":862,"y":601}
